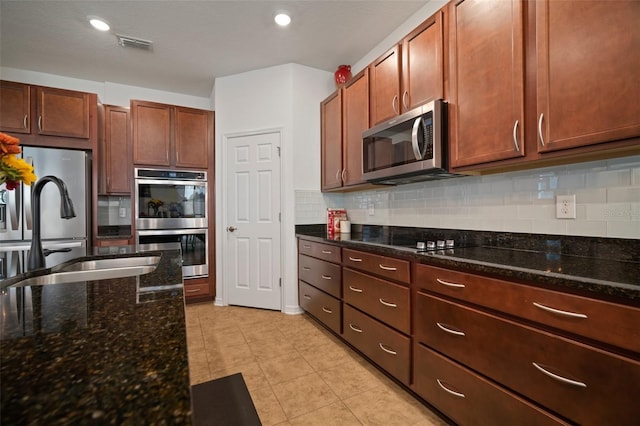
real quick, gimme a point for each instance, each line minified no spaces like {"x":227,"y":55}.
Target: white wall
{"x":108,"y":93}
{"x":285,"y":97}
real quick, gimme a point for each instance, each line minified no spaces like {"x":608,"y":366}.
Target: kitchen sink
{"x":111,"y":263}
{"x":92,"y":270}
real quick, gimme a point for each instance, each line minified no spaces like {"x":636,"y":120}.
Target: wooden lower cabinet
{"x":324,"y":275}
{"x":582,"y":383}
{"x":197,"y":290}
{"x":468,"y":398}
{"x":386,"y":347}
{"x":322,"y":306}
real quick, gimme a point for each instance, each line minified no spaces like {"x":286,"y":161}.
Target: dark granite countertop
{"x":106,"y":352}
{"x":597,"y":267}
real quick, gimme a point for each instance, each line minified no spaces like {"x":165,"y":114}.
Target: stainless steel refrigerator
{"x":16,"y":218}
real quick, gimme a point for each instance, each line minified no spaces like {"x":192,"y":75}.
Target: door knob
{"x":231,"y":228}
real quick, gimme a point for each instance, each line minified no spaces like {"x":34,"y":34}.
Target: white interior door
{"x":252,"y":229}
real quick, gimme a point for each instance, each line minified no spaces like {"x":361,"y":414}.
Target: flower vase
{"x":342,"y":75}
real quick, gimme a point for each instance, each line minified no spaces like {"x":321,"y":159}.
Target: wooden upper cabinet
{"x":15,"y":107}
{"x":384,"y":78}
{"x":331,"y":141}
{"x":191,"y":138}
{"x":115,"y":172}
{"x":167,"y":135}
{"x":588,"y":68}
{"x":423,"y":63}
{"x":486,"y":107}
{"x":355,"y":120}
{"x":409,"y":74}
{"x":151,"y":133}
{"x":62,"y":113}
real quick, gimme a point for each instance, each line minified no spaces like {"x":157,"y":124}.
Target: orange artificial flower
{"x":9,"y":145}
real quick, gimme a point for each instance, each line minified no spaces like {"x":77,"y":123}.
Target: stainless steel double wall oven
{"x":171,"y":206}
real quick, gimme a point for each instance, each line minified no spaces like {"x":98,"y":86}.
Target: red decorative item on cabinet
{"x":343,"y":74}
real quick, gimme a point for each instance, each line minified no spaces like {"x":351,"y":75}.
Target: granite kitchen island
{"x":111,"y":351}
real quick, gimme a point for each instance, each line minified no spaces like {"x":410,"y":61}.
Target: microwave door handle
{"x":414,"y":138}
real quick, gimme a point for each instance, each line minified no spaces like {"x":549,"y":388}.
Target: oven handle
{"x":182,"y":231}
{"x":171,"y":182}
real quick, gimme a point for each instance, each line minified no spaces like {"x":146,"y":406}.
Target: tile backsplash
{"x":607,"y":201}
{"x":114,"y":210}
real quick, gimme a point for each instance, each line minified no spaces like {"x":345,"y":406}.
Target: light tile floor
{"x":296,"y":371}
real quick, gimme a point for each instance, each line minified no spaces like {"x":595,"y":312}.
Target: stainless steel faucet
{"x":36,"y":254}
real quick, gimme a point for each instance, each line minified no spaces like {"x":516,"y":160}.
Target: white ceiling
{"x":194,"y":42}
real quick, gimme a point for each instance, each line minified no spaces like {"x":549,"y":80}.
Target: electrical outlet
{"x":372,"y":209}
{"x":566,"y":206}
{"x":123,"y":212}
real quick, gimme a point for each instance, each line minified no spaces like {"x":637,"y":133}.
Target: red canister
{"x":343,"y":74}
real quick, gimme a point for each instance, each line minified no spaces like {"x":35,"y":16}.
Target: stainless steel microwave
{"x":409,"y":148}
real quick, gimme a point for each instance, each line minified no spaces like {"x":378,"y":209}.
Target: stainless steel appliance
{"x":16,"y":219}
{"x":171,"y":206}
{"x":170,"y":199}
{"x":408,"y":148}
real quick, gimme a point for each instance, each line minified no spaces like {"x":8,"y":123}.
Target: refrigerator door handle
{"x":28,"y":216}
{"x":13,"y":201}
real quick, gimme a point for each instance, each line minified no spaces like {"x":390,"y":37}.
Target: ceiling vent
{"x":127,"y":41}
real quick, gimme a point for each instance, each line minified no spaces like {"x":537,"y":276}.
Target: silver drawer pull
{"x":326,"y":277}
{"x":449,"y":284}
{"x":327,"y":310}
{"x":389,"y":351}
{"x":387,"y":268}
{"x":559,"y":378}
{"x":306,"y":296}
{"x":461,"y":395}
{"x":354,"y":328}
{"x":357,"y":290}
{"x":306,"y":246}
{"x":355,"y":259}
{"x":327,"y":252}
{"x":391,"y":305}
{"x":558,"y":311}
{"x":448,"y":330}
{"x":195,"y":290}
{"x":306,"y":268}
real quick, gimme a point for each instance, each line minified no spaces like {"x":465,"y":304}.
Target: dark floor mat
{"x":223,"y":402}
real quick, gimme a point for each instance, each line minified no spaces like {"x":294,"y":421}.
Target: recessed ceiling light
{"x":282,"y":19}
{"x":99,"y":23}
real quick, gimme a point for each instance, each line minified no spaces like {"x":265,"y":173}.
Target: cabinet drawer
{"x":384,"y":300}
{"x":321,"y":251}
{"x":604,"y":321}
{"x":383,"y":345}
{"x":323,"y":275}
{"x":468,"y":398}
{"x":582,"y":383}
{"x":322,"y":306}
{"x":384,"y":266}
{"x":196,"y":290}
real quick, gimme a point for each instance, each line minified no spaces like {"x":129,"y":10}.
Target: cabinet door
{"x":63,"y":113}
{"x":487,"y":81}
{"x":151,"y":133}
{"x":355,"y":117}
{"x":331,"y":141}
{"x":116,"y":161}
{"x":588,"y":66}
{"x":15,"y":102}
{"x":423,"y":64}
{"x":191,"y":138}
{"x":384,"y":76}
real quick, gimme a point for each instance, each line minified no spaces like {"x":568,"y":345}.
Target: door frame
{"x":222,"y":295}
